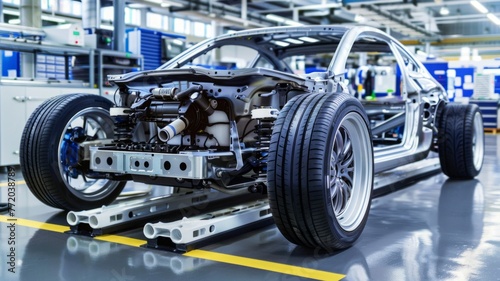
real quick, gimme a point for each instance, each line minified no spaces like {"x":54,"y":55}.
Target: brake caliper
{"x":70,"y":151}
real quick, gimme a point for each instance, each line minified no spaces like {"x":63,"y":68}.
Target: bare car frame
{"x":260,"y":123}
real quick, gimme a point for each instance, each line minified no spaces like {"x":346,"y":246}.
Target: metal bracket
{"x":133,"y":213}
{"x":184,"y":234}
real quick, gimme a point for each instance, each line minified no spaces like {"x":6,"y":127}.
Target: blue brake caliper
{"x":70,"y":151}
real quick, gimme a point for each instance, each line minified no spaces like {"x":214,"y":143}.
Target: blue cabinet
{"x":490,"y":111}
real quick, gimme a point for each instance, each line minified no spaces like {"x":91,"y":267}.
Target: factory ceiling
{"x":405,"y":19}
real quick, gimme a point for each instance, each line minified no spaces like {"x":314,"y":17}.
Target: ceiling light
{"x":106,"y":26}
{"x":359,"y":18}
{"x":178,"y":42}
{"x":493,"y":18}
{"x":280,"y":43}
{"x":318,"y":13}
{"x":167,"y":3}
{"x":137,"y":6}
{"x":275,"y":18}
{"x":293,"y":41}
{"x":479,"y":6}
{"x":12,"y":13}
{"x":54,"y":19}
{"x":282,"y":20}
{"x":292,"y":22}
{"x":444,"y":11}
{"x":309,"y":39}
{"x":14,"y":21}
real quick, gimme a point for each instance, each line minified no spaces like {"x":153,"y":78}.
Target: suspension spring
{"x":263,"y":131}
{"x":265,"y":117}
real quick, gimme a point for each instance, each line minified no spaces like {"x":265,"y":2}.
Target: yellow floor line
{"x":134,"y":242}
{"x":201,"y":254}
{"x":3,"y":184}
{"x":265,"y":265}
{"x":35,"y":224}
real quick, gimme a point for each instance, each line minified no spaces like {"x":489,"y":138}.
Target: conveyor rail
{"x":247,"y":212}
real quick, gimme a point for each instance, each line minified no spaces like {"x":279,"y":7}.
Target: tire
{"x":461,"y":141}
{"x":305,"y":177}
{"x":47,"y":152}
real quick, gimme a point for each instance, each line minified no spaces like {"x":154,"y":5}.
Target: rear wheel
{"x":51,"y":155}
{"x":461,"y":141}
{"x":320,"y":171}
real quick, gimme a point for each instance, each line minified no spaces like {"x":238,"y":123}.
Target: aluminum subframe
{"x":182,"y":165}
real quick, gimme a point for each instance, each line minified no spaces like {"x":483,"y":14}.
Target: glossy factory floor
{"x":435,"y":229}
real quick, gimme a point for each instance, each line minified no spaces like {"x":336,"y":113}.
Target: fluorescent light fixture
{"x":359,"y":18}
{"x":10,"y":12}
{"x":444,"y":11}
{"x":275,"y":18}
{"x":479,"y":6}
{"x":137,"y":6}
{"x":493,"y":18}
{"x":280,"y":43}
{"x":294,"y":41}
{"x":15,"y":21}
{"x":178,"y":42}
{"x":282,"y":20}
{"x":166,"y":3}
{"x":54,"y":19}
{"x":107,"y":26}
{"x":292,"y":22}
{"x":309,"y":39}
{"x":318,"y":13}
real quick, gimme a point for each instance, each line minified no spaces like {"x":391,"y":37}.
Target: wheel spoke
{"x":84,"y":126}
{"x":347,"y":179}
{"x":339,"y":144}
{"x":337,"y":197}
{"x":96,"y":132}
{"x":348,"y":146}
{"x":333,"y":165}
{"x":348,"y":159}
{"x":346,"y":192}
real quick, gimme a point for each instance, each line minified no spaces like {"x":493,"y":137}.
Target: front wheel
{"x":320,"y":171}
{"x":51,"y":155}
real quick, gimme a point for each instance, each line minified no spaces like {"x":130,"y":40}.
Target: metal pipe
{"x":171,"y":130}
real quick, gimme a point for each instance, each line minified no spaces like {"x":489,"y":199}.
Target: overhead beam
{"x":455,"y":40}
{"x":391,"y":17}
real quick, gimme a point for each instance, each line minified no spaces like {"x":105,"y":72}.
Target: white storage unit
{"x":17,"y":102}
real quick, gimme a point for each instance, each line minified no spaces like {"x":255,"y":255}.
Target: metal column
{"x":1,"y":11}
{"x":91,"y":13}
{"x":119,"y":26}
{"x":31,"y":15}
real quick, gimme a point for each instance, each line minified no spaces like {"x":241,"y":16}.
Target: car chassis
{"x":302,"y":139}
